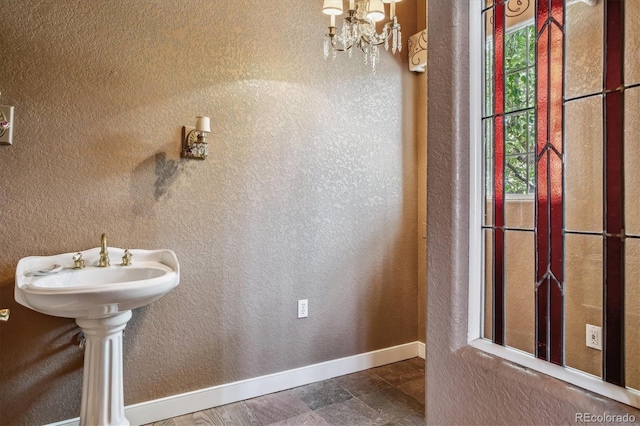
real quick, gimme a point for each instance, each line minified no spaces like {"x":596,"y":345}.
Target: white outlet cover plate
{"x":594,"y":337}
{"x":303,"y":308}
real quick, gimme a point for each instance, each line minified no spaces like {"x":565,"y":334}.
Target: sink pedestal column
{"x":102,"y":390}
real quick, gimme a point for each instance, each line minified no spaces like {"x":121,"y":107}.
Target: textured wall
{"x":309,"y":191}
{"x":421,"y":152}
{"x":463,"y":385}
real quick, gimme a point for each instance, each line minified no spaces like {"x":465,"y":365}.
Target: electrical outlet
{"x":303,"y":308}
{"x":594,"y":337}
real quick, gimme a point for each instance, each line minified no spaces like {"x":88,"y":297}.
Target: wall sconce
{"x":194,"y":140}
{"x":6,"y":125}
{"x":418,"y":52}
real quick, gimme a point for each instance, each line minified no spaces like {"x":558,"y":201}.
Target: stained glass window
{"x":561,"y":220}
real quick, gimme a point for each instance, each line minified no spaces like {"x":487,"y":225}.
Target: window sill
{"x":594,"y":384}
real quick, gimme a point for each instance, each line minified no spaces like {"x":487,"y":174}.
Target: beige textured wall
{"x":309,"y":191}
{"x":464,"y":385}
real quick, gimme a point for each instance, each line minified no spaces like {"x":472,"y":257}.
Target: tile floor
{"x":389,"y":395}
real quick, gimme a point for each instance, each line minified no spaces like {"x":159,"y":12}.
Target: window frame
{"x":476,"y":300}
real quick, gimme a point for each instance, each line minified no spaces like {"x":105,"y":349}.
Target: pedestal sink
{"x":100,"y":299}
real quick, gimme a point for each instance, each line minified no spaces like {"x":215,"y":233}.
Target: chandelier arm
{"x":354,"y":20}
{"x":377,"y":42}
{"x":334,"y":44}
{"x":390,"y":25}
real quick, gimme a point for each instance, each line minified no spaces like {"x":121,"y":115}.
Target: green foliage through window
{"x":520,"y":79}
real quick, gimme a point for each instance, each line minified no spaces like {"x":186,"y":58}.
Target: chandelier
{"x":359,"y":29}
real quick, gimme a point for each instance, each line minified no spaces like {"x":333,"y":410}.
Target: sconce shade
{"x":376,"y":10}
{"x":203,"y":124}
{"x":332,"y":7}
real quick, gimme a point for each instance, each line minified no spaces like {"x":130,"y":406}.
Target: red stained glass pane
{"x":556,"y":74}
{"x":556,"y":309}
{"x":614,"y":40}
{"x":549,"y":195}
{"x":543,"y":14}
{"x":542,"y":217}
{"x":542,"y":92}
{"x":498,"y":67}
{"x":556,"y":218}
{"x":542,"y":310}
{"x":614,"y":346}
{"x":498,"y":179}
{"x":557,"y":11}
{"x":613,"y":313}
{"x":614,"y":173}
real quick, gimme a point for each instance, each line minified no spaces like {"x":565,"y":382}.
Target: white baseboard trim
{"x":421,"y":350}
{"x":178,"y":405}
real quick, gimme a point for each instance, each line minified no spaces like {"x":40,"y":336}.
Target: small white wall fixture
{"x":418,"y":52}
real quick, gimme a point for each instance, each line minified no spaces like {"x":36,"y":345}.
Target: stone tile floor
{"x":392,"y":394}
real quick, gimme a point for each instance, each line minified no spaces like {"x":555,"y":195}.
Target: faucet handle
{"x":4,"y":314}
{"x":126,"y":259}
{"x":78,"y":261}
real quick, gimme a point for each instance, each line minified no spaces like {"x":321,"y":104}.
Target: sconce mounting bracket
{"x":192,"y":147}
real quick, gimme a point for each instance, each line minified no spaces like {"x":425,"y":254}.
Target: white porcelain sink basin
{"x":101,"y":300}
{"x":95,"y":292}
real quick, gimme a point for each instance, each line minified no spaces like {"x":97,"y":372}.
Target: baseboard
{"x":178,"y":405}
{"x":421,"y":350}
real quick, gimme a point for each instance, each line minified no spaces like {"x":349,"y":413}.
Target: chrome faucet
{"x":104,"y":253}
